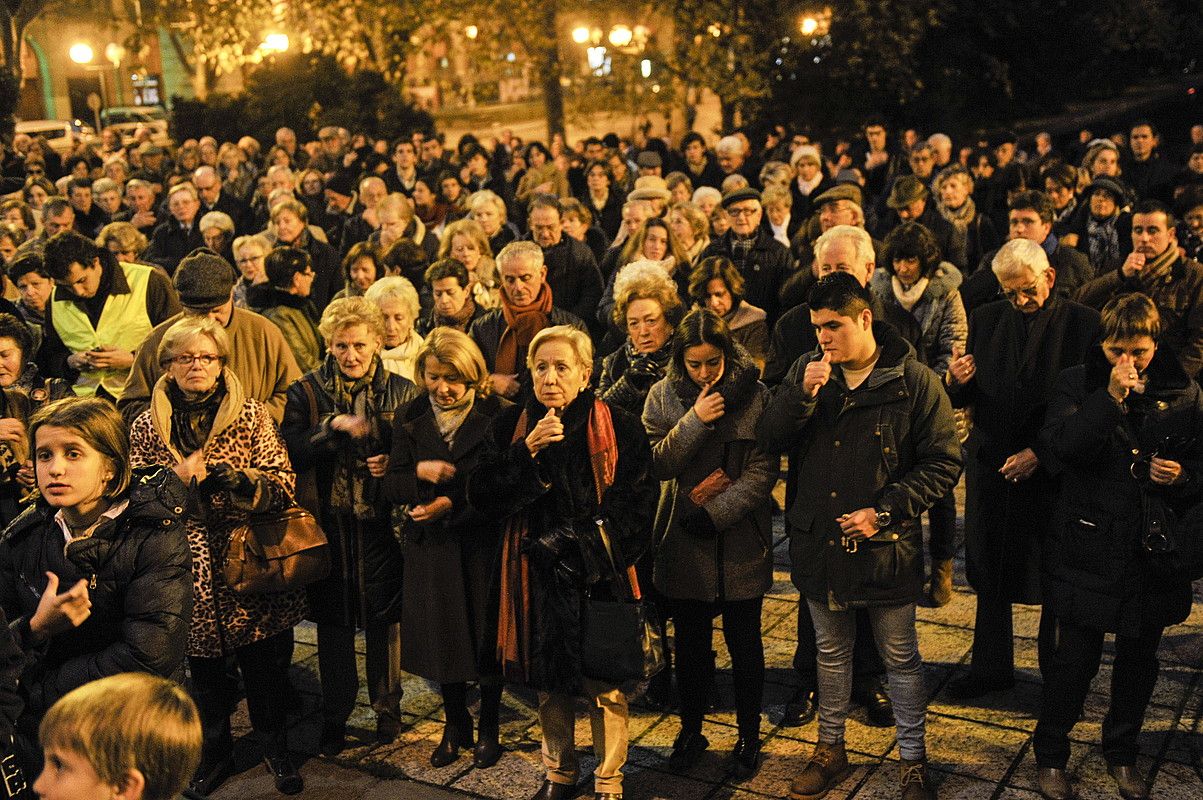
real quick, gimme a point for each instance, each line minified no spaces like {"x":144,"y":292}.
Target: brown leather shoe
{"x":1131,"y":784}
{"x":940,"y":590}
{"x":914,"y":782}
{"x":826,"y":769}
{"x":1054,"y":784}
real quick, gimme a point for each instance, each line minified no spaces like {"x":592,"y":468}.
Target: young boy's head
{"x":131,"y":736}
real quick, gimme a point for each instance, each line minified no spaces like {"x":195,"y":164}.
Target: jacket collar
{"x":227,"y":412}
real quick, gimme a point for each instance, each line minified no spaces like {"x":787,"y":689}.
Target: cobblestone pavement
{"x":975,"y":751}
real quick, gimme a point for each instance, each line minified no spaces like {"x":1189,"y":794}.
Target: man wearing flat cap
{"x":764,"y":262}
{"x":649,"y":163}
{"x":259,"y":356}
{"x":912,"y":202}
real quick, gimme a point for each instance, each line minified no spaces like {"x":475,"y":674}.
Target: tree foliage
{"x":304,"y":92}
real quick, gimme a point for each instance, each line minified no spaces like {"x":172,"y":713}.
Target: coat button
{"x":833,"y":494}
{"x":885,"y":449}
{"x":166,"y":523}
{"x":837,"y":443}
{"x":178,"y":509}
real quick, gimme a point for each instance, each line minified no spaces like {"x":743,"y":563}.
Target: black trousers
{"x":264,"y":666}
{"x":340,"y":675}
{"x":942,"y":528}
{"x":1067,"y":680}
{"x":694,"y":622}
{"x":994,"y":638}
{"x":866,"y":662}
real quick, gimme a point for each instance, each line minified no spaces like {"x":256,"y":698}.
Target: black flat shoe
{"x":554,"y":791}
{"x":388,"y":728}
{"x":745,"y":758}
{"x":877,"y":705}
{"x":800,"y":709}
{"x":448,"y":750}
{"x":687,"y":751}
{"x":333,"y":739}
{"x":288,"y":780}
{"x":211,"y":774}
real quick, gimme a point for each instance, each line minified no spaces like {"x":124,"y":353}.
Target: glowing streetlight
{"x":621,"y":36}
{"x":714,"y":30}
{"x":809,"y":26}
{"x":275,"y":42}
{"x":471,"y":31}
{"x":580,"y":34}
{"x":645,"y":68}
{"x":81,"y":53}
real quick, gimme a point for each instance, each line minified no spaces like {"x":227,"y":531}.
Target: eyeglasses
{"x":204,"y":359}
{"x":745,"y":211}
{"x":251,"y":259}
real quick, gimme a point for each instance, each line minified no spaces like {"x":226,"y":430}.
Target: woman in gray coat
{"x":713,"y":552}
{"x":915,"y":281}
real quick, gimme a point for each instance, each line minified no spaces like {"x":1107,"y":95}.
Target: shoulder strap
{"x":308,"y":388}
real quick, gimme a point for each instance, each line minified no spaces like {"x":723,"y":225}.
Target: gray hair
{"x":188,"y":328}
{"x":484,"y":196}
{"x":940,"y":141}
{"x":394,"y":287}
{"x":217,"y":219}
{"x":518,"y":251}
{"x":256,"y":239}
{"x":730,"y":144}
{"x":706,"y":191}
{"x":859,"y":238}
{"x":1018,"y":255}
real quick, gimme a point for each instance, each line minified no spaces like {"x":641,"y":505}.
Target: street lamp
{"x":809,"y":25}
{"x":81,"y":53}
{"x":275,"y":42}
{"x":580,"y":34}
{"x":621,"y":36}
{"x":471,"y":31}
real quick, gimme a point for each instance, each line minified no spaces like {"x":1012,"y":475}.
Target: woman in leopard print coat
{"x":227,"y":447}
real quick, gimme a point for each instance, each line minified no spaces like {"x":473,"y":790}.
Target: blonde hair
{"x":188,"y":328}
{"x":394,"y":286}
{"x":132,"y":721}
{"x":643,"y":280}
{"x":484,"y":196}
{"x":128,"y":238}
{"x":398,"y":204}
{"x":578,"y":340}
{"x":348,"y":311}
{"x":486,"y":269}
{"x":457,"y":350}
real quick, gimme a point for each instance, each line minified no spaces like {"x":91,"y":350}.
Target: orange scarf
{"x":521,"y":325}
{"x":514,"y":617}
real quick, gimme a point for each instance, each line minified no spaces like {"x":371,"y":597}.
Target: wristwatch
{"x":884,"y":518}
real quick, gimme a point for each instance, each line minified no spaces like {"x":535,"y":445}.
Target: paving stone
{"x":973,"y":749}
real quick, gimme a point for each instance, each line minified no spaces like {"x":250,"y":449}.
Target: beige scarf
{"x":908,"y":297}
{"x":450,"y":418}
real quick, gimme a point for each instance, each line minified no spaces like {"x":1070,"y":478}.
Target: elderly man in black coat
{"x":1016,"y":349}
{"x":572,"y":273}
{"x":911,"y":201}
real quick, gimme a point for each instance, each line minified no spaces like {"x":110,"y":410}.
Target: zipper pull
{"x":92,"y":582}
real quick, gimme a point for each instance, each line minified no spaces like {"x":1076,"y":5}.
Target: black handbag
{"x":620,"y":640}
{"x":13,"y":785}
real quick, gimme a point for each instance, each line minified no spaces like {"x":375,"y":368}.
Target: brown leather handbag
{"x":276,"y":552}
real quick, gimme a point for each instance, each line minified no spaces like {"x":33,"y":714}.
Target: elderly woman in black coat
{"x":713,"y":532}
{"x":338,"y":424}
{"x":449,"y":547}
{"x":1126,"y":425}
{"x":559,"y":467}
{"x":646,"y":305}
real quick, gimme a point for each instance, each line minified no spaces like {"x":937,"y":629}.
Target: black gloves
{"x":642,"y":373}
{"x":556,"y":550}
{"x":698,"y":523}
{"x":223,"y":477}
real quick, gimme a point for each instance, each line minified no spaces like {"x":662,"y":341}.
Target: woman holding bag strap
{"x":713,"y":534}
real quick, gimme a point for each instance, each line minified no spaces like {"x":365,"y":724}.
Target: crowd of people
{"x":514,"y":381}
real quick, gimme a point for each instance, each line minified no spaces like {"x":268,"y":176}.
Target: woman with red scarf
{"x":558,"y":464}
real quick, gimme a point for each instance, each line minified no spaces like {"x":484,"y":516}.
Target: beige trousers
{"x":608,"y":719}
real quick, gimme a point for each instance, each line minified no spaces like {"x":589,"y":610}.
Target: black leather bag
{"x":620,"y":641}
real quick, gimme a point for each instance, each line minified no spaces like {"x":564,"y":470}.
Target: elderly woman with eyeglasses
{"x":1125,"y":428}
{"x":226,"y":446}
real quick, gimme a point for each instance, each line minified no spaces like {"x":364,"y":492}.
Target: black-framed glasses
{"x":1026,"y":291}
{"x":204,"y":359}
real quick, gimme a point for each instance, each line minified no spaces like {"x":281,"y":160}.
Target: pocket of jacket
{"x":879,"y":563}
{"x":889,"y":448}
{"x":1087,"y":543}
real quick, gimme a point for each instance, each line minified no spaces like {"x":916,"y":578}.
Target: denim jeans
{"x":898,"y":644}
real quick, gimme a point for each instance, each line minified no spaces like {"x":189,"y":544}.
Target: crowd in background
{"x":500,"y":364}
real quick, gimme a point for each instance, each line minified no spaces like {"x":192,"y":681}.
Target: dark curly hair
{"x":911,"y":240}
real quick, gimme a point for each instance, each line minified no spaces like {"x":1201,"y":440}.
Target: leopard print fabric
{"x":221,"y":621}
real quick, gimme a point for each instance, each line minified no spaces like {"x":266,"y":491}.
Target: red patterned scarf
{"x":521,"y":325}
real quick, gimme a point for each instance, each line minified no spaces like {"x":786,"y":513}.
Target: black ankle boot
{"x":454,"y":737}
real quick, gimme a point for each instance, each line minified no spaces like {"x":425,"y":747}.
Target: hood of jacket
{"x":945,"y":279}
